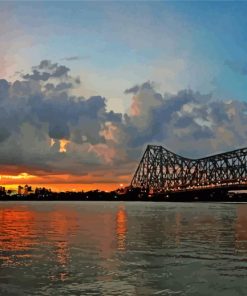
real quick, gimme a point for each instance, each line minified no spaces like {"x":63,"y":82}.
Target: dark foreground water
{"x":96,"y":248}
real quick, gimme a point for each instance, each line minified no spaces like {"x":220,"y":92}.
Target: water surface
{"x":135,"y":248}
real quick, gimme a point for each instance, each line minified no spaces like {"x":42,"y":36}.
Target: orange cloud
{"x":63,"y":145}
{"x":21,"y":177}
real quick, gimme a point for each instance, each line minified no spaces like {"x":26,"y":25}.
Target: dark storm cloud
{"x":59,"y":130}
{"x":37,"y":75}
{"x":40,"y":108}
{"x":46,"y":70}
{"x":132,"y":90}
{"x":145,"y":86}
{"x":114,"y":117}
{"x":184,"y":121}
{"x":41,"y":119}
{"x":4,"y":88}
{"x":219,"y":113}
{"x":4,"y":133}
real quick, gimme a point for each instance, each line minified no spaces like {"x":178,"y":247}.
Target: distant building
{"x":27,"y":189}
{"x":43,"y":192}
{"x":2,"y":191}
{"x":19,"y":190}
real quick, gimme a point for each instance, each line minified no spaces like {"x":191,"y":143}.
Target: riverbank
{"x":218,"y":195}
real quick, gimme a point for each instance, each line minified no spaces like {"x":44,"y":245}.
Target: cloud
{"x":47,"y":130}
{"x":75,"y":58}
{"x":40,"y":108}
{"x":188,"y":122}
{"x":136,"y":88}
{"x":46,"y":70}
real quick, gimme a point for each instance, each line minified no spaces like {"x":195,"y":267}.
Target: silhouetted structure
{"x":162,"y":171}
{"x":19,"y":189}
{"x":165,"y":176}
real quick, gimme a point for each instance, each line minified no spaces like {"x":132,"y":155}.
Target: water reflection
{"x":128,"y":249}
{"x":17,"y":235}
{"x":121,"y":228}
{"x":178,"y":218}
{"x":28,"y":236}
{"x":62,"y":224}
{"x":241,"y":228}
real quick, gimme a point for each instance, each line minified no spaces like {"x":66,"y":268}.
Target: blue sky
{"x":175,"y":44}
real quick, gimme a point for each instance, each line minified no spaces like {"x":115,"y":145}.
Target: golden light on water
{"x":121,"y":228}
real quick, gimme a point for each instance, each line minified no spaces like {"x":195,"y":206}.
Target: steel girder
{"x":161,"y":170}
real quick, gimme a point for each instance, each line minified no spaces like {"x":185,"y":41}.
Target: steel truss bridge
{"x":161,"y":170}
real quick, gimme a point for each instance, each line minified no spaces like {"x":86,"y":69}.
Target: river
{"x":117,"y":248}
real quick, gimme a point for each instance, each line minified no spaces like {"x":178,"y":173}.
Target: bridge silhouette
{"x":162,"y":171}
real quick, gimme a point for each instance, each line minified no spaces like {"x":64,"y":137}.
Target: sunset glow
{"x":66,"y":186}
{"x":21,"y":177}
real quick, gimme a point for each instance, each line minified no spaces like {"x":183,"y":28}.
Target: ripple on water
{"x":122,"y":249}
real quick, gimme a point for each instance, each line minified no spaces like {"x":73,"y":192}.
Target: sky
{"x":85,"y":86}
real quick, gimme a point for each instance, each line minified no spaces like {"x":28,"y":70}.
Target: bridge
{"x":162,"y":171}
